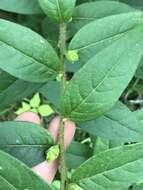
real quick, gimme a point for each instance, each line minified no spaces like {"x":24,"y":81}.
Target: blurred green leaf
{"x":45,"y":110}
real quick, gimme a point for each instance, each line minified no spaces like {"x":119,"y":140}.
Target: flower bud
{"x":72,"y":55}
{"x":59,"y":77}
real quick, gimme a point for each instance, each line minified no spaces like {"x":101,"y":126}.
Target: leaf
{"x":118,"y":124}
{"x":99,"y":9}
{"x":102,"y":33}
{"x":22,"y":6}
{"x":96,"y":87}
{"x":138,"y":4}
{"x":139,"y":115}
{"x":5,"y":80}
{"x":35,"y":101}
{"x":13,"y":90}
{"x":101,"y":145}
{"x":50,"y":30}
{"x":138,"y":187}
{"x":51,"y":91}
{"x":14,"y":175}
{"x":59,"y":10}
{"x":76,"y":154}
{"x":25,"y":108}
{"x":45,"y":110}
{"x":115,"y":169}
{"x":139,"y":72}
{"x":25,"y":54}
{"x":25,"y":141}
{"x":34,"y":110}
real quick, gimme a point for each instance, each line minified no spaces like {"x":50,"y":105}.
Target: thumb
{"x":48,"y":170}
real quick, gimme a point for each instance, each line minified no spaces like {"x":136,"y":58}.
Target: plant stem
{"x":63,"y":169}
{"x":62,"y":47}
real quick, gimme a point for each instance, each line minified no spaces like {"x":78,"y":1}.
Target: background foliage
{"x":109,"y":134}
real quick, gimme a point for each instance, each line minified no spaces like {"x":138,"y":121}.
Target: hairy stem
{"x":62,"y":47}
{"x":63,"y":169}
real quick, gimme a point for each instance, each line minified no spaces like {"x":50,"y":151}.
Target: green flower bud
{"x":56,"y":184}
{"x":59,"y":77}
{"x":53,"y":153}
{"x":72,"y":55}
{"x":74,"y":186}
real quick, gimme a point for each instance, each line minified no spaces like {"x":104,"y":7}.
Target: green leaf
{"x":13,"y":90}
{"x":25,"y":54}
{"x":22,"y":6}
{"x":117,"y":124}
{"x":34,"y":110}
{"x":115,"y":169}
{"x":74,"y":186}
{"x":6,"y":80}
{"x":99,"y":9}
{"x":45,"y":110}
{"x":97,"y":86}
{"x":139,"y":115}
{"x":25,"y":141}
{"x":102,"y":33}
{"x":50,"y":30}
{"x":139,"y":72}
{"x":52,"y":153}
{"x":76,"y":154}
{"x":35,"y":101}
{"x":58,"y":10}
{"x":14,"y":175}
{"x":138,"y":4}
{"x":25,"y":107}
{"x":51,"y":91}
{"x":101,"y":145}
{"x":138,"y":187}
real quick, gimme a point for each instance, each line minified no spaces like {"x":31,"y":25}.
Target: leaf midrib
{"x":50,"y":70}
{"x":76,"y":18}
{"x":120,"y":34}
{"x":58,"y":9}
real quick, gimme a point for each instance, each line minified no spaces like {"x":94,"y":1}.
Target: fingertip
{"x":69,"y":130}
{"x":69,"y":133}
{"x":46,"y":171}
{"x":29,"y":116}
{"x":53,"y":128}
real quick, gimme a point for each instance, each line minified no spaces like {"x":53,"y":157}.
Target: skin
{"x":48,"y":170}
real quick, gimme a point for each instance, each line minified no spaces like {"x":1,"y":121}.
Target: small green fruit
{"x":72,"y":55}
{"x":53,"y":153}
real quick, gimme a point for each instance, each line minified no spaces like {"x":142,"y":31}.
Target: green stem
{"x":63,"y":169}
{"x":62,"y":47}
